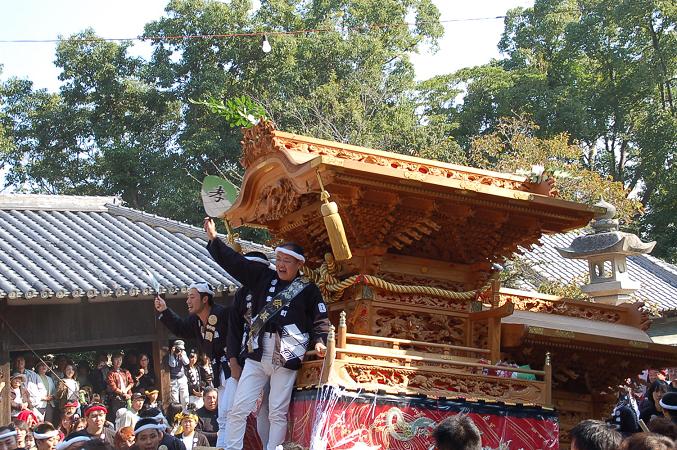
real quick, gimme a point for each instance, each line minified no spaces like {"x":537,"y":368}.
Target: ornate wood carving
{"x":419,"y":326}
{"x":450,"y":383}
{"x":262,"y":139}
{"x":571,"y":308}
{"x":276,"y":201}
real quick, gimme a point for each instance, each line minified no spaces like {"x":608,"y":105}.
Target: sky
{"x":465,"y":43}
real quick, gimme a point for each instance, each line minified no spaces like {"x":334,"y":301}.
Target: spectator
{"x":194,"y":382}
{"x":190,"y":437}
{"x":127,"y":417}
{"x":79,"y":424}
{"x":20,"y":398}
{"x":83,"y":374}
{"x":144,"y":378}
{"x":149,"y":436}
{"x":73,"y":442}
{"x":59,"y":370}
{"x":46,"y":436}
{"x":96,"y":421}
{"x":647,"y":441}
{"x":663,"y":426}
{"x":457,"y":432}
{"x":152,"y":399}
{"x":208,"y":416}
{"x":22,"y":430}
{"x":68,"y":389}
{"x":131,"y":362}
{"x":594,"y":435}
{"x":653,"y":396}
{"x":8,"y":438}
{"x":669,"y":405}
{"x":20,"y":367}
{"x":206,"y":370}
{"x":172,"y":413}
{"x":99,"y":376}
{"x":626,"y":413}
{"x":45,"y":393}
{"x":120,"y":384}
{"x":177,"y":360}
{"x":124,"y":438}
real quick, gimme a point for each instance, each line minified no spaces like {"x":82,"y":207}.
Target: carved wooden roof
{"x":391,"y":203}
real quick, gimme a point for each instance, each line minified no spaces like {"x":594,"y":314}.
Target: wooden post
{"x":159,"y":353}
{"x":330,"y":356}
{"x":5,"y":400}
{"x":494,"y":330}
{"x":547,"y":368}
{"x":342,"y":332}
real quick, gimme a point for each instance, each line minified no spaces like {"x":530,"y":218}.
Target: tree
{"x":601,"y":71}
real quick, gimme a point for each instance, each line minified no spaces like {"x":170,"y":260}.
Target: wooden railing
{"x":344,"y":356}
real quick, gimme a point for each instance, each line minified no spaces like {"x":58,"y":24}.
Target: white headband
{"x":261,"y":260}
{"x":8,"y":434}
{"x":47,"y":435}
{"x":668,"y":407}
{"x":291,"y":253}
{"x":202,"y":287}
{"x":148,"y":426}
{"x":67,"y":443}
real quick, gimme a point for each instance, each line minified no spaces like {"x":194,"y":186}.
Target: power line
{"x":242,"y":34}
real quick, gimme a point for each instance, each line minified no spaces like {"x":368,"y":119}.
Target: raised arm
{"x":243,"y":270}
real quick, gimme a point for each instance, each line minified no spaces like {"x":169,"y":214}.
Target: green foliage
{"x":239,"y":112}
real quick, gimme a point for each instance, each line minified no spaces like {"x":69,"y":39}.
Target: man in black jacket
{"x":289,"y":315}
{"x":208,"y":324}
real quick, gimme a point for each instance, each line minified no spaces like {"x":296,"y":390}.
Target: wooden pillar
{"x":494,"y":330}
{"x":341,"y":339}
{"x":547,"y":368}
{"x":329,"y":357}
{"x":160,"y":350}
{"x":5,"y":400}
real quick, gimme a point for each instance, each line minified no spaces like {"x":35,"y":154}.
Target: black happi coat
{"x":192,"y":328}
{"x":303,"y":320}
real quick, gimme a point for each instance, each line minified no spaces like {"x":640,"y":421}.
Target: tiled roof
{"x":658,"y":278}
{"x":61,"y":248}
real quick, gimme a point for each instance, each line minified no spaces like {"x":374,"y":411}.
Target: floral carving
{"x":419,"y":326}
{"x":581,"y":309}
{"x":276,"y":201}
{"x":453,"y":383}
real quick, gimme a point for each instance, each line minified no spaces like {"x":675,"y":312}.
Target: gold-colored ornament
{"x":212,"y":320}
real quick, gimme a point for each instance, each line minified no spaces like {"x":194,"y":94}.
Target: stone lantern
{"x":606,"y":250}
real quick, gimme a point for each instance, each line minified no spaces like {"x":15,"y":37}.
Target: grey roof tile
{"x":61,"y":247}
{"x":658,"y":278}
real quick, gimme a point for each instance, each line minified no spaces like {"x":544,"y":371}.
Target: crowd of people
{"x":56,"y":404}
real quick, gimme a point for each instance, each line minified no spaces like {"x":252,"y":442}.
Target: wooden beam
{"x":495,"y":339}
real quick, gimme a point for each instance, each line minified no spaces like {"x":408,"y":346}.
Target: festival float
{"x":404,"y":251}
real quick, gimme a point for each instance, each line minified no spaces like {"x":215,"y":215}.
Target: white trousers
{"x":255,"y":376}
{"x":262,"y":419}
{"x":178,"y":391}
{"x":226,"y":395}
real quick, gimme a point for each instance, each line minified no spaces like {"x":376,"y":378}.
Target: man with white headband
{"x":46,"y":436}
{"x":149,"y":434}
{"x":288,"y":316}
{"x":73,"y":442}
{"x":8,"y":439}
{"x":207,"y":323}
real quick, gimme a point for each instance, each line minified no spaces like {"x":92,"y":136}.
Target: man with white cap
{"x":207,"y":322}
{"x":288,"y":316}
